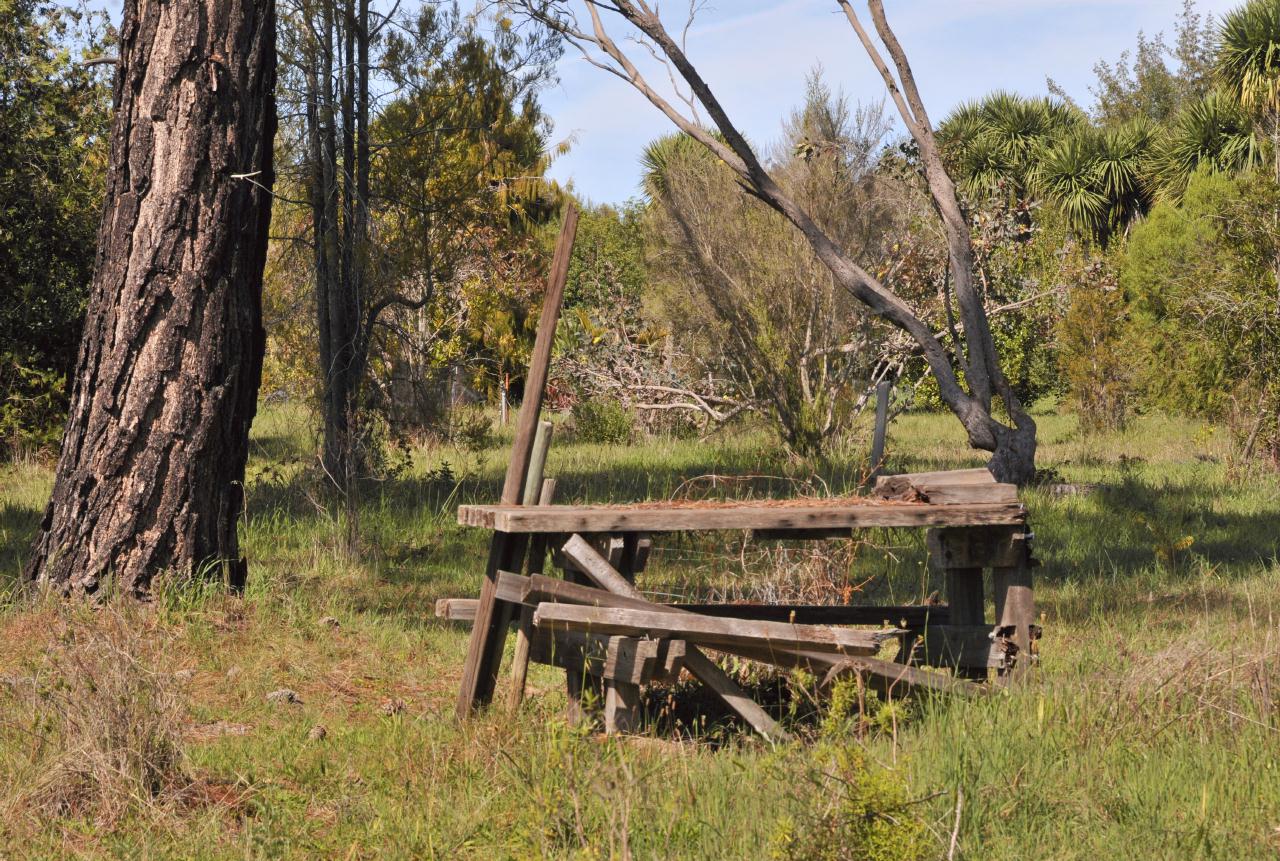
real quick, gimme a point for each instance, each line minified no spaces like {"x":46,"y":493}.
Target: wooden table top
{"x":848,"y":513}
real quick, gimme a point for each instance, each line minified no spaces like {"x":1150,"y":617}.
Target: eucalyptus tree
{"x":407,"y":126}
{"x":970,"y":380}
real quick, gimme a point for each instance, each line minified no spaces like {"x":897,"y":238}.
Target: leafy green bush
{"x":33,"y":404}
{"x":472,"y":429}
{"x":858,"y":810}
{"x":602,"y":421}
{"x":1094,"y":350}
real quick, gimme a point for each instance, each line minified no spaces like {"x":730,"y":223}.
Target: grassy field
{"x":1150,"y":730}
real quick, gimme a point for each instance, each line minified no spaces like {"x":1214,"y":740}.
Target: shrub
{"x":856,"y":810}
{"x":1096,"y":356}
{"x":602,"y":421}
{"x":472,"y":429}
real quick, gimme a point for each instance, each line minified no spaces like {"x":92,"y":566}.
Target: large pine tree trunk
{"x":152,"y":466}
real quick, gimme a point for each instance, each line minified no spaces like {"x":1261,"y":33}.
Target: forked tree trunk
{"x":152,"y":466}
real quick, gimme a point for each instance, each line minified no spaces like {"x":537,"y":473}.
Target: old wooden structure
{"x":595,"y":623}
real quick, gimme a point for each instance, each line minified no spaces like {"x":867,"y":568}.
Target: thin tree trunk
{"x":151,"y":472}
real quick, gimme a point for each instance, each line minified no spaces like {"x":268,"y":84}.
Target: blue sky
{"x":755,"y":55}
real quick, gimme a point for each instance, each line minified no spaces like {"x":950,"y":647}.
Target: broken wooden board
{"x":858,"y":513}
{"x":707,"y":631}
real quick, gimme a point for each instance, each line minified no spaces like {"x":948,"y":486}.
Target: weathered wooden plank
{"x":800,"y":534}
{"x":535,"y":589}
{"x":894,"y":483}
{"x":908,"y":616}
{"x":702,"y":667}
{"x":616,"y":519}
{"x":1015,"y":611}
{"x":484,"y":652}
{"x":893,"y":678}
{"x":706,"y":630}
{"x":959,"y":494}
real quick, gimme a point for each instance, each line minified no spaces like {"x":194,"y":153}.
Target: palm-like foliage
{"x":1213,"y":134}
{"x":1248,"y":55}
{"x":661,"y":155}
{"x":992,"y":144}
{"x":1095,"y":177}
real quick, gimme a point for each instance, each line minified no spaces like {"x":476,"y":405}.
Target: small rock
{"x":331,"y":622}
{"x":393,"y":707}
{"x":284,"y":695}
{"x":318,"y":732}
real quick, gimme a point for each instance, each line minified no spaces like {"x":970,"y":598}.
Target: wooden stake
{"x":506,"y":552}
{"x":537,"y":555}
{"x":882,"y":426}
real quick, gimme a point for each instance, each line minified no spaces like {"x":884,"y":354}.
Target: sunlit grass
{"x":1149,"y":732}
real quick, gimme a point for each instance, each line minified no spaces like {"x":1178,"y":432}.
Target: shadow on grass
{"x":18,"y":526}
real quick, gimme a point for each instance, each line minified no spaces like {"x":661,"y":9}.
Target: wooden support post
{"x":537,"y":558}
{"x":1015,"y":607}
{"x":961,"y":583}
{"x":706,"y":670}
{"x":506,"y":552}
{"x":621,"y":707}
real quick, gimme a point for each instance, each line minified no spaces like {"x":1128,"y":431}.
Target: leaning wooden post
{"x":599,"y":570}
{"x":506,"y":551}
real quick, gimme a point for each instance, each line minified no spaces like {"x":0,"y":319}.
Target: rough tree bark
{"x":151,"y":473}
{"x":1012,"y":445}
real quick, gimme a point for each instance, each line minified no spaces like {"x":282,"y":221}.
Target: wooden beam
{"x":480,"y":670}
{"x":707,"y":630}
{"x":856,"y":514}
{"x":908,"y":616}
{"x":622,"y":712}
{"x":533,"y":590}
{"x":702,"y":667}
{"x":456,"y":609}
{"x":890,"y":678}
